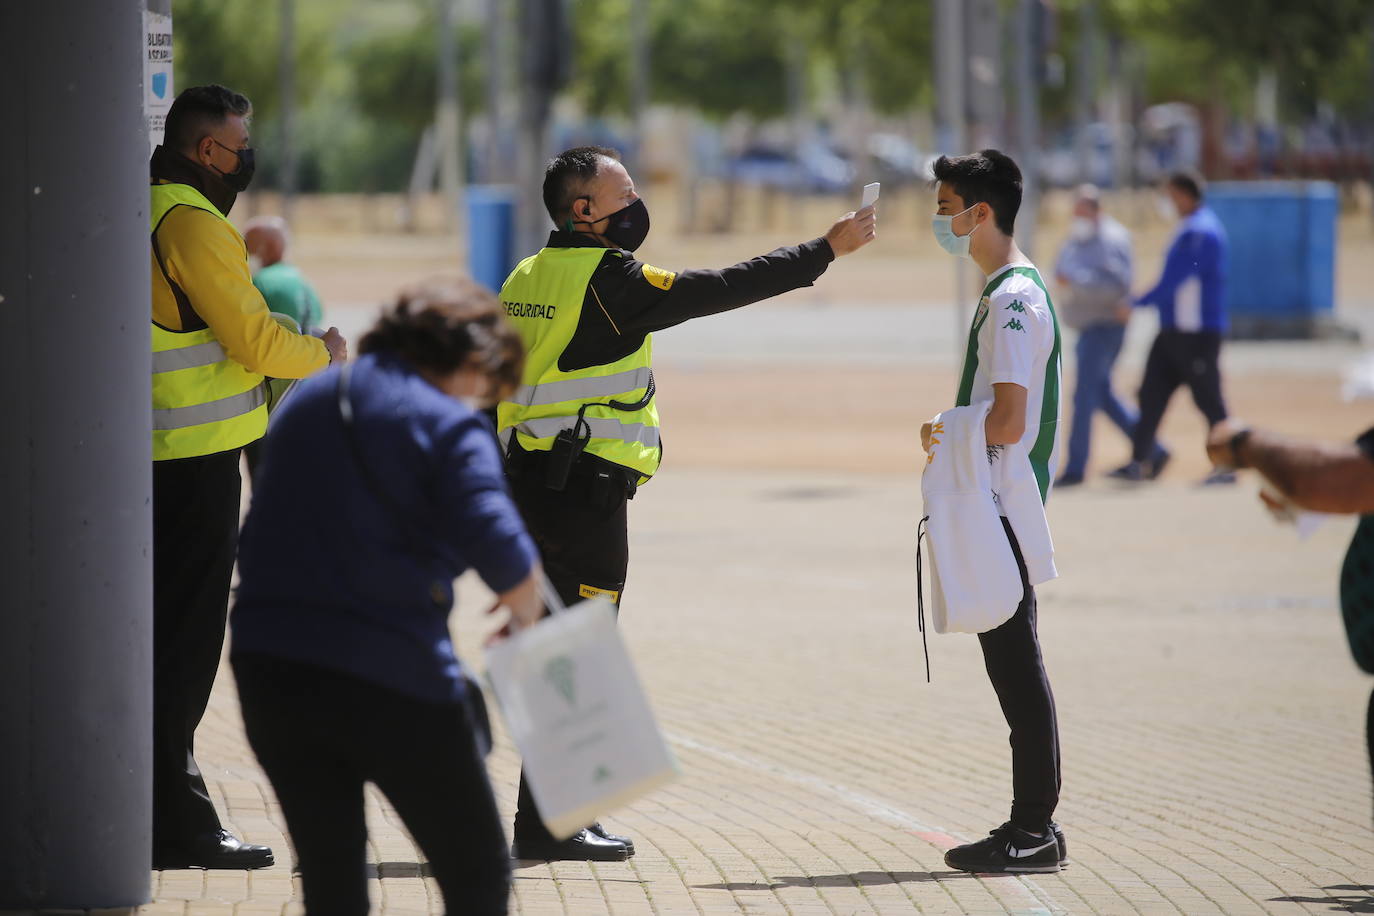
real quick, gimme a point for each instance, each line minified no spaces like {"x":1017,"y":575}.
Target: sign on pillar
{"x":157,"y":73}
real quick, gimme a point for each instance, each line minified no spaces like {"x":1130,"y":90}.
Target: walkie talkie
{"x":567,"y":448}
{"x":569,"y":444}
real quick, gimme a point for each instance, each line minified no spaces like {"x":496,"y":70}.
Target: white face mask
{"x":1166,"y":208}
{"x":1082,"y":229}
{"x":254,"y":263}
{"x":956,"y":245}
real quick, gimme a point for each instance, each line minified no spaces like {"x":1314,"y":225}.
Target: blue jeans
{"x":1097,"y":349}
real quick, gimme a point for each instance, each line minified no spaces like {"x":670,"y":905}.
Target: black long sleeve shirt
{"x":628,"y":299}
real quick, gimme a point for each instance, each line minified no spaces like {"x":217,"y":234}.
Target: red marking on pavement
{"x":938,"y":840}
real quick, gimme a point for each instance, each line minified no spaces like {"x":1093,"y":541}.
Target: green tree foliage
{"x":365,"y":69}
{"x":723,"y":57}
{"x":236,"y":45}
{"x":883,"y":45}
{"x":395,"y":88}
{"x":1196,"y":48}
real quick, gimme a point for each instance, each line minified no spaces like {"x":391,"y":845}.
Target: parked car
{"x":812,"y":168}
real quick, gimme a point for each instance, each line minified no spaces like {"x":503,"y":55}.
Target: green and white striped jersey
{"x":1014,"y":339}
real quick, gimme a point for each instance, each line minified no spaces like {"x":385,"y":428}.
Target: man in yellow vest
{"x":582,"y":433}
{"x":213,"y":342}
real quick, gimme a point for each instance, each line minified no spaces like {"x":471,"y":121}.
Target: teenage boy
{"x":1012,"y":361}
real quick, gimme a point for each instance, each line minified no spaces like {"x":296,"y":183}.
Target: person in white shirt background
{"x":1013,"y":361}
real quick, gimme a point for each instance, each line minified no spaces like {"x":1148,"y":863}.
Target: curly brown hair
{"x":446,"y":324}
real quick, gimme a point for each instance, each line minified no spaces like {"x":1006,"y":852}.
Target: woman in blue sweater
{"x":381,"y":484}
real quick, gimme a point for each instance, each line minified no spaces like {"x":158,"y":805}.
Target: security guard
{"x":582,"y":432}
{"x":213,"y":342}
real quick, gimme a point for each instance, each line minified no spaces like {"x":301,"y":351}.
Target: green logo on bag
{"x":601,"y":774}
{"x":559,"y":672}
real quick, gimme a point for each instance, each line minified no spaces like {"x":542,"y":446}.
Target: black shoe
{"x":1068,"y":480}
{"x":1158,"y":463}
{"x":1008,"y":849}
{"x":605,"y":834}
{"x":583,"y":846}
{"x":1155,"y":466}
{"x":220,"y":849}
{"x":1218,"y":478}
{"x":1063,"y":846}
{"x":1133,"y":471}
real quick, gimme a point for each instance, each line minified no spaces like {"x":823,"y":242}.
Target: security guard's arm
{"x":205,"y":256}
{"x":641,"y":299}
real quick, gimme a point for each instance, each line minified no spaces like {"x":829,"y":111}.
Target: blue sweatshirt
{"x":1191,"y":294}
{"x":329,"y":575}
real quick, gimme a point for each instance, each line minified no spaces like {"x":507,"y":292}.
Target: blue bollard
{"x":1282,"y":234}
{"x":491,"y":234}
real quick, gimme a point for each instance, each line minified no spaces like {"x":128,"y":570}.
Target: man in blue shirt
{"x":1094,"y":273}
{"x":1191,"y":297}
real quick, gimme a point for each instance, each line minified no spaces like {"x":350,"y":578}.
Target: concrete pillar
{"x":76,"y":463}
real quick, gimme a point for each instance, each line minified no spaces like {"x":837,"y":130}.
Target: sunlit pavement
{"x":1212,"y":720}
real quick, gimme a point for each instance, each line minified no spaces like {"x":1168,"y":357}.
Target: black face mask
{"x":628,"y":227}
{"x":239,"y":179}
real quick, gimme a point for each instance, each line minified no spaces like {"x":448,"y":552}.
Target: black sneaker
{"x":1158,"y":464}
{"x":1218,"y":478}
{"x":1133,"y":471}
{"x":1063,"y":846}
{"x":1008,"y":850}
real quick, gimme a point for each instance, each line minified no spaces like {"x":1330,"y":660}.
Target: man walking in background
{"x":1191,"y":298}
{"x":1094,"y":272}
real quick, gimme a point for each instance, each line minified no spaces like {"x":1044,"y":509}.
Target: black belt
{"x":587,"y":469}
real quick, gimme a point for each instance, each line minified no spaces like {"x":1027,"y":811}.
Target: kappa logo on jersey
{"x":1016,"y":306}
{"x":1015,"y":324}
{"x":657,"y":276}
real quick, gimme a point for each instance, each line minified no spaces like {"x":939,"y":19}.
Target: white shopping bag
{"x":576,"y":710}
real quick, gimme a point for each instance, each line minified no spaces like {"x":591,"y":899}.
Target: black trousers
{"x":1178,"y":358}
{"x":320,"y":735}
{"x":1011,"y":654}
{"x":1369,"y":732}
{"x":195,"y":534}
{"x":582,"y":536}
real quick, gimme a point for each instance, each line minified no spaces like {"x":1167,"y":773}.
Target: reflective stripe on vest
{"x":549,"y":427}
{"x":206,"y":354}
{"x":236,"y":405}
{"x":203,"y":401}
{"x":543,"y":298}
{"x":606,"y":387}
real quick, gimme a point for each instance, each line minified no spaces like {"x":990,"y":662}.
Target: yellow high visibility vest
{"x":543,"y":300}
{"x":203,"y":401}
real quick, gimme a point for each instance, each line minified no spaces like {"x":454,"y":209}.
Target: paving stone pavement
{"x":1212,"y":720}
